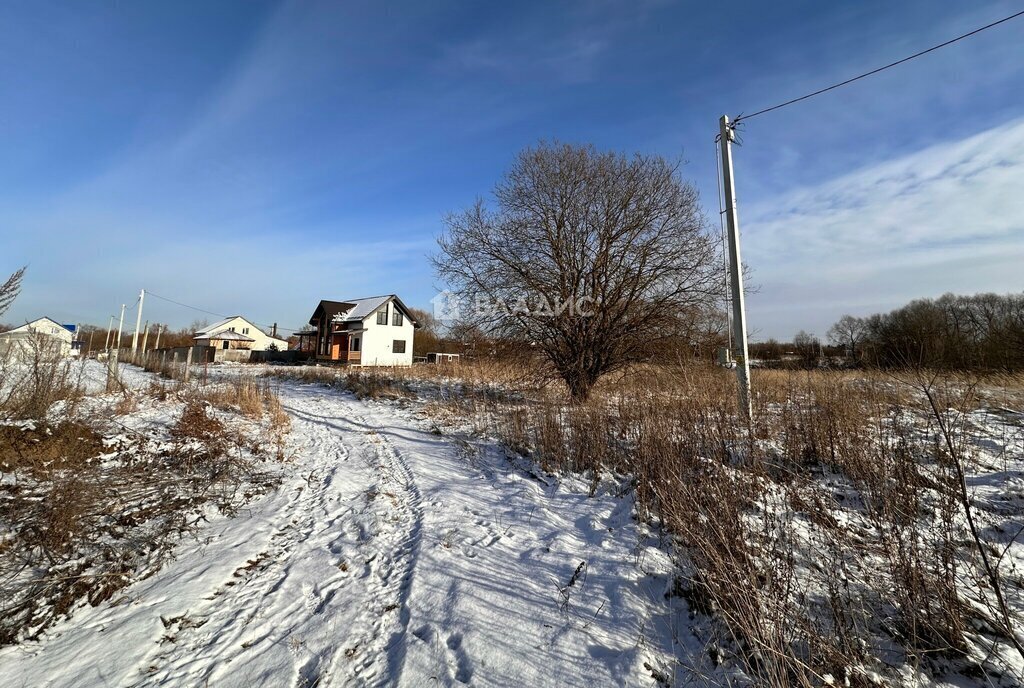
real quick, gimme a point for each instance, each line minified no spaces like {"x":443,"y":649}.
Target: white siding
{"x":42,"y":335}
{"x":378,"y":340}
{"x":262,"y":340}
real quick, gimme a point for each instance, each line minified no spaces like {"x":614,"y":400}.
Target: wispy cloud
{"x":570,"y":60}
{"x":949,"y":217}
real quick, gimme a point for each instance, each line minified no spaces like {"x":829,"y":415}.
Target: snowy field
{"x":403,"y":548}
{"x":391,"y":554}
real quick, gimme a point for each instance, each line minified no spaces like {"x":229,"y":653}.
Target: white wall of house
{"x":45,"y":335}
{"x":378,"y":341}
{"x":261,"y":340}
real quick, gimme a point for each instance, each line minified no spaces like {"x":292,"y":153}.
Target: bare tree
{"x":591,"y":258}
{"x":808,"y":348}
{"x":9,"y":290}
{"x":848,"y":332}
{"x":428,"y":337}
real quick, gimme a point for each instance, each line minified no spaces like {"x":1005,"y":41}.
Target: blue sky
{"x":255,"y":157}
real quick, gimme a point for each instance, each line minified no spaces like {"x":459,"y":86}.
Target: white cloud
{"x":946,"y":218}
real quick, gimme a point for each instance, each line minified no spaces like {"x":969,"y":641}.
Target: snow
{"x":390,"y":555}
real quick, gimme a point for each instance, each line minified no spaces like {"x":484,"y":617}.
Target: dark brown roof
{"x":330,"y":309}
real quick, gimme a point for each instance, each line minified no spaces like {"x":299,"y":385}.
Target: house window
{"x":355,"y":344}
{"x":382,"y":316}
{"x":397,"y":319}
{"x":245,"y":330}
{"x":225,"y":344}
{"x":398,"y":346}
{"x":231,"y":329}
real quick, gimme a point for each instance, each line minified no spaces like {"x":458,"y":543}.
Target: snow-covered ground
{"x":391,"y":554}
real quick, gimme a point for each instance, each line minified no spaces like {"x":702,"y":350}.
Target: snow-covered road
{"x":390,"y":555}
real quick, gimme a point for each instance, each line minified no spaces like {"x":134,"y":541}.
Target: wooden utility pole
{"x":145,"y":337}
{"x":726,"y":135}
{"x":159,"y":329}
{"x":138,"y":321}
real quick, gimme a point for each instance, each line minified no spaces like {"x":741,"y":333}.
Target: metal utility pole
{"x":138,"y":321}
{"x":726,"y":136}
{"x":110,"y":329}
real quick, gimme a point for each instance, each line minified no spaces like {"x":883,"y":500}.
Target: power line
{"x":879,"y":69}
{"x":185,"y":305}
{"x":219,"y":315}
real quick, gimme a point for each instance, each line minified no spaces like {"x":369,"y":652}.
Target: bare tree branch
{"x":9,"y":290}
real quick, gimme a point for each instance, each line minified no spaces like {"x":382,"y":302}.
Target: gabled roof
{"x":355,"y":310}
{"x":331,"y":309}
{"x":216,"y":328}
{"x":226,"y":335}
{"x":363,"y":307}
{"x":30,"y":325}
{"x":219,"y":324}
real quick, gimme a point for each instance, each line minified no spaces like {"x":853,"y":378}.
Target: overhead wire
{"x":185,"y":305}
{"x":219,"y":315}
{"x":879,"y":69}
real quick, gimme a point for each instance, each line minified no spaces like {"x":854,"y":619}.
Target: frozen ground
{"x":390,"y":555}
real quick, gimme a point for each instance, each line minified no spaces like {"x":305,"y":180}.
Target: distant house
{"x":376,"y":331}
{"x":238,"y":333}
{"x":43,"y":335}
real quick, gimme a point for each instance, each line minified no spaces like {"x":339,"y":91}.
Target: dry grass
{"x":254,"y":398}
{"x":826,"y":539}
{"x":30,"y":384}
{"x":90,"y":505}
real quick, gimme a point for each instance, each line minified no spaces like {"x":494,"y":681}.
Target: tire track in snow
{"x":390,"y":530}
{"x":238,"y":601}
{"x":275,"y":603}
{"x":385,"y":641}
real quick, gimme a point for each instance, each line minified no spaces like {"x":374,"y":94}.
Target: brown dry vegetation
{"x":88,"y":505}
{"x":828,"y":541}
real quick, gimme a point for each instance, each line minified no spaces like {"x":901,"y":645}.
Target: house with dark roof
{"x":374,"y":331}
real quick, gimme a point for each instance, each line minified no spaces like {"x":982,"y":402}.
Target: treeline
{"x":979,"y":332}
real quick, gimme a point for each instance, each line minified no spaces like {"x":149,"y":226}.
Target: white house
{"x":376,"y":331}
{"x":43,"y":335}
{"x":238,"y":333}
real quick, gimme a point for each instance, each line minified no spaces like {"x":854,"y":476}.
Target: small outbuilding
{"x":438,"y":357}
